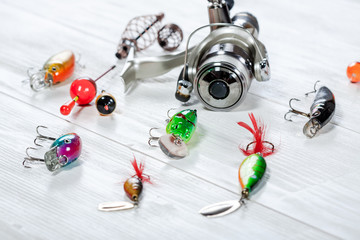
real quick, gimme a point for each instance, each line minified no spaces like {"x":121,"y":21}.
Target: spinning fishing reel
{"x":220,"y":68}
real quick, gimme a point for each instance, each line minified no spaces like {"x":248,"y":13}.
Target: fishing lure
{"x":63,"y":151}
{"x":170,"y":37}
{"x":105,"y":103}
{"x":251,"y":170}
{"x":179,"y":129}
{"x":56,"y":69}
{"x":140,"y":33}
{"x":353,"y":72}
{"x":321,"y":111}
{"x":133,"y":187}
{"x":82,"y":92}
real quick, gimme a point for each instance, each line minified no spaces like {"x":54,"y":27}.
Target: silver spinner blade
{"x":220,"y":209}
{"x":115,"y":206}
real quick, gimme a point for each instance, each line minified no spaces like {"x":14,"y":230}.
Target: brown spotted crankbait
{"x":321,"y":111}
{"x":251,"y":170}
{"x":133,"y":187}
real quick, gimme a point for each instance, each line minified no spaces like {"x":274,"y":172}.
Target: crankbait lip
{"x":311,"y":128}
{"x":173,"y":146}
{"x":38,"y":80}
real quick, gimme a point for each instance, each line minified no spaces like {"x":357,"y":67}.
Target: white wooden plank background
{"x":310,"y":190}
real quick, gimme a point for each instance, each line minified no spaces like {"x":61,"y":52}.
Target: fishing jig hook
{"x":152,"y":138}
{"x":294,"y":111}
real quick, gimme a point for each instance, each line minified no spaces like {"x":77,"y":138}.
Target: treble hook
{"x":30,"y":158}
{"x":307,"y":94}
{"x":169,"y":111}
{"x":272,"y":145}
{"x":41,"y":136}
{"x":152,"y":138}
{"x":294,"y":111}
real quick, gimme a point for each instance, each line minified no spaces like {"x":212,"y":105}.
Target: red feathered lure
{"x":133,"y":188}
{"x":251,"y":170}
{"x":259,"y":135}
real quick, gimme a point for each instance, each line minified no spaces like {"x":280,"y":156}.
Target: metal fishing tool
{"x":321,"y":110}
{"x":250,"y":172}
{"x":170,"y":37}
{"x":139,"y":34}
{"x":220,"y":68}
{"x":133,"y":187}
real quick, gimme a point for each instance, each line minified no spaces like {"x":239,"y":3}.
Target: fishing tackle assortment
{"x":250,"y":171}
{"x":56,"y":69}
{"x":321,"y":110}
{"x":83,"y":91}
{"x":63,"y":151}
{"x":353,"y":72}
{"x":179,"y":129}
{"x":220,"y":69}
{"x":133,"y":187}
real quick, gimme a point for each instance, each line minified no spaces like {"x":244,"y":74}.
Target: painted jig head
{"x":251,"y":170}
{"x":63,"y":151}
{"x":140,"y":33}
{"x":82,"y":92}
{"x":56,"y":69}
{"x":353,"y":72}
{"x":321,"y":111}
{"x":179,"y":129}
{"x":105,"y":103}
{"x":133,"y":187}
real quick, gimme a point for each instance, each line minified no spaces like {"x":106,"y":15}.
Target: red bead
{"x":67,"y":107}
{"x":85,"y":89}
{"x":353,"y":72}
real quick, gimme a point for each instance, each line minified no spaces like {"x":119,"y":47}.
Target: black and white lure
{"x":321,"y":111}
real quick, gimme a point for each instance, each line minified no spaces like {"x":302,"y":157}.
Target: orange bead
{"x":353,"y":72}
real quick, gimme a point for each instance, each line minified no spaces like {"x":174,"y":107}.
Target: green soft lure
{"x":179,"y":129}
{"x":251,"y":170}
{"x":182,"y":125}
